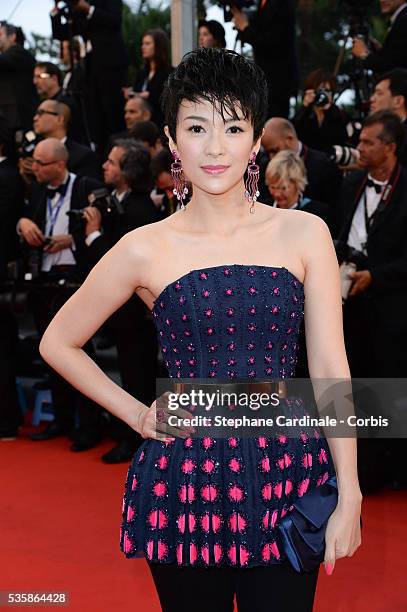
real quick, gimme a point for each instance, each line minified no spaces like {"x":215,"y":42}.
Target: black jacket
{"x":386,"y":248}
{"x":37,"y":208}
{"x":155,"y":88}
{"x":322,"y":137}
{"x":82,"y":160}
{"x":18,"y":97}
{"x":324,"y":177}
{"x":271,"y":32}
{"x":103,"y":30}
{"x":393,"y":54}
{"x":139,"y":210}
{"x":11,"y":202}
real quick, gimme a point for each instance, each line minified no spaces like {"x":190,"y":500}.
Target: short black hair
{"x":12,"y":29}
{"x":222,"y":77}
{"x":393,"y":129}
{"x":52,"y":69}
{"x":146,"y":131}
{"x":397,"y":82}
{"x":135,"y":164}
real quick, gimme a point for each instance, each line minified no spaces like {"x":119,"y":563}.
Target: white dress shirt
{"x":358,"y":233}
{"x":61,"y":227}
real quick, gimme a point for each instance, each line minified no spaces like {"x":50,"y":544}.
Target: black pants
{"x":44,"y":302}
{"x":10,"y":412}
{"x":277,"y":588}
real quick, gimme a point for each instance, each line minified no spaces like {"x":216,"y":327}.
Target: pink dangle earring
{"x":253,"y":173}
{"x":180,"y":188}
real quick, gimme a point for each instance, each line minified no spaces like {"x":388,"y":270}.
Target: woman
{"x":286,"y":179}
{"x":150,"y":80}
{"x":211,"y":34}
{"x":321,"y":124}
{"x":220,"y":282}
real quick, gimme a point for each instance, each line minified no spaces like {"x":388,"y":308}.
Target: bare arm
{"x":328,"y":363}
{"x":109,"y":285}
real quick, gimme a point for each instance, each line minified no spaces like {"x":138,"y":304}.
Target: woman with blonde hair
{"x":286,"y":179}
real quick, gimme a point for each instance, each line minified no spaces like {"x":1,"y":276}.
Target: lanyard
{"x":53,"y":211}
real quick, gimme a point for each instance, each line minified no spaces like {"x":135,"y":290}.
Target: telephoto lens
{"x":344,"y":156}
{"x":321,"y":98}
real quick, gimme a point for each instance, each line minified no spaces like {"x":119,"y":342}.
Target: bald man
{"x":51,"y":120}
{"x":56,"y":241}
{"x":324,"y":177}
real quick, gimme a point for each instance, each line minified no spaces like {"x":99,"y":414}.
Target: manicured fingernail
{"x":329,"y":568}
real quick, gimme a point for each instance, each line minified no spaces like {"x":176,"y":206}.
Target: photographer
{"x":51,"y":120}
{"x":393,"y":53}
{"x":11,"y":199}
{"x":17,"y":94}
{"x":271,"y":32}
{"x":99,"y":22}
{"x":374,"y":225}
{"x":320,"y":124}
{"x":374,"y":222}
{"x":48,"y":80}
{"x":127,"y":171}
{"x":55,"y":241}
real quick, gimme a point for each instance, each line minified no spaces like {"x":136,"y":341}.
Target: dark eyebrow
{"x":205,"y":120}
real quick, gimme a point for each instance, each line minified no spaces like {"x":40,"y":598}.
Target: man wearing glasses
{"x":56,"y":240}
{"x":51,"y":120}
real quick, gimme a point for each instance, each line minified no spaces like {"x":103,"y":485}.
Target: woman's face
{"x":214,"y":153}
{"x":147,"y":47}
{"x":285,"y":193}
{"x":206,"y":40}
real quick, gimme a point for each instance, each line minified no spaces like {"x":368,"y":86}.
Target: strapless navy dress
{"x":217,"y":501}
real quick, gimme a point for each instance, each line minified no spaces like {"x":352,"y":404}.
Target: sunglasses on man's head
{"x":43,"y":111}
{"x":41,"y":163}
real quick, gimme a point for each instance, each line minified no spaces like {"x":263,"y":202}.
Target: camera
{"x":103,"y":201}
{"x":27,"y":144}
{"x":247,"y":6}
{"x":322,"y":97}
{"x":349,"y":260}
{"x":344,"y":156}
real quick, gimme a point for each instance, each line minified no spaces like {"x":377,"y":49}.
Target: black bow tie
{"x":378,"y":188}
{"x":51,"y":191}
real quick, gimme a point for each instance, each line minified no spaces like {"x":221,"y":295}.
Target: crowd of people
{"x":91,"y":163}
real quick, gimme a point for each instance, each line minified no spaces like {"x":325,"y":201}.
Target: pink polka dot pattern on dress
{"x":211,"y":501}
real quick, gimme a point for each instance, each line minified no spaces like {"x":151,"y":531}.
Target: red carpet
{"x":60,"y":518}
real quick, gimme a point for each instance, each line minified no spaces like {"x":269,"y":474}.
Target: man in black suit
{"x":99,"y":22}
{"x":51,"y":120}
{"x":48,"y":81}
{"x":324,"y":177}
{"x":393,"y":53}
{"x":374,"y":222}
{"x":57,"y":240}
{"x":18,"y":98}
{"x":127,"y":171}
{"x":271,"y":32}
{"x":11,"y":200}
{"x":390,"y":93}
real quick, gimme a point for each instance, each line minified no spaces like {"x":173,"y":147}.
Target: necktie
{"x":378,"y":188}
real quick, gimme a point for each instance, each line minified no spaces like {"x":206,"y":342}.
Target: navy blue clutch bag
{"x":303,"y":529}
